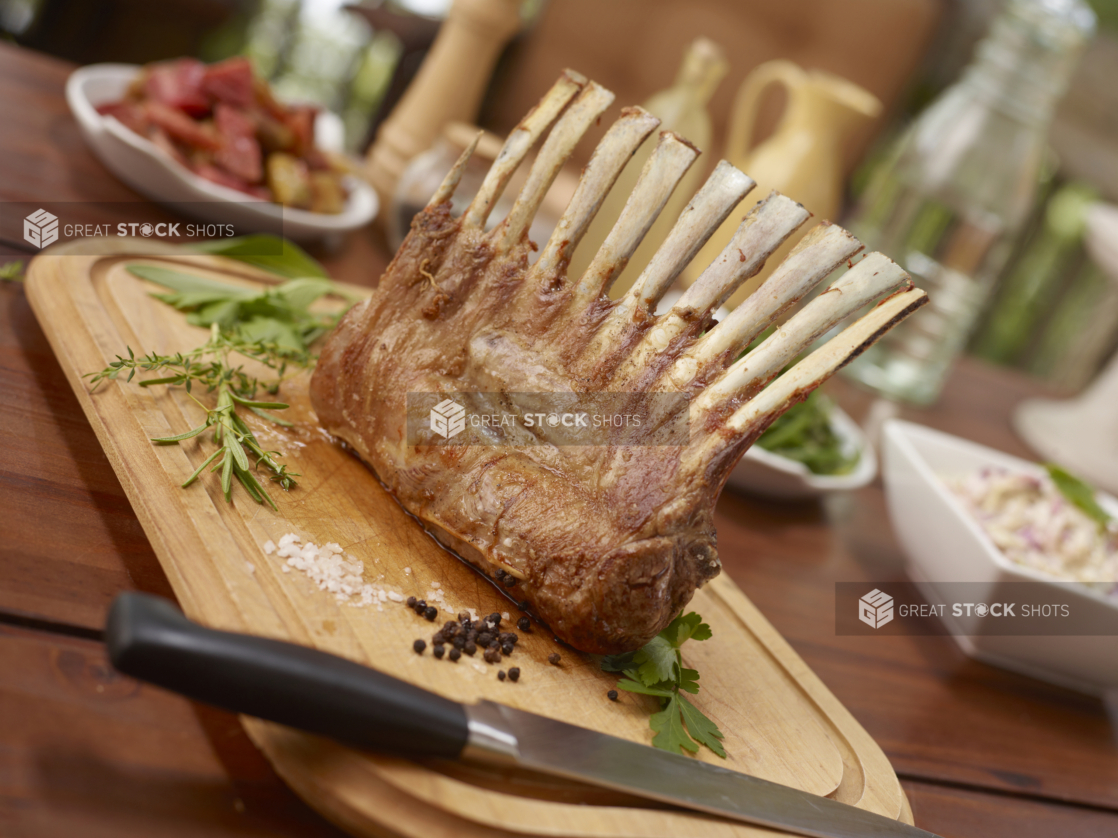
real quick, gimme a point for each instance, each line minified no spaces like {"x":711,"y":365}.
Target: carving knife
{"x":150,"y":639}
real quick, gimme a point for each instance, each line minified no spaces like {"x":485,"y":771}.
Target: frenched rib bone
{"x":607,"y":543}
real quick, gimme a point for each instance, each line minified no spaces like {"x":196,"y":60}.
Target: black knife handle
{"x":150,"y":639}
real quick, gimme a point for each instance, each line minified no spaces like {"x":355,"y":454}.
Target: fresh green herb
{"x":275,"y":327}
{"x":1079,"y":493}
{"x":657,"y":669}
{"x":209,"y":366}
{"x":12,"y":271}
{"x":270,"y":253}
{"x":281,"y":315}
{"x":805,"y":434}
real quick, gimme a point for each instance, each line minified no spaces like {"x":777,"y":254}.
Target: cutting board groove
{"x":780,"y":721}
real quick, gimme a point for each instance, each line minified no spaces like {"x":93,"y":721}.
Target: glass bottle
{"x":960,"y":183}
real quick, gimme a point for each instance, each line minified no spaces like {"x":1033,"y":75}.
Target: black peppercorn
{"x":463,"y":617}
{"x":553,"y":658}
{"x":431,"y":613}
{"x":419,"y":646}
{"x":470,"y":648}
{"x":509,"y":581}
{"x":458,"y":642}
{"x":439,"y":651}
{"x":514,"y":673}
{"x":454,"y":653}
{"x":492,"y":656}
{"x":507,"y":648}
{"x":612,"y":695}
{"x":494,"y":618}
{"x":501,"y":675}
{"x":411,"y":602}
{"x":420,"y":604}
{"x":524,"y":624}
{"x":438,"y":638}
{"x":484,"y":639}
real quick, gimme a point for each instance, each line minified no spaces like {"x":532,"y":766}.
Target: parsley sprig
{"x":657,"y":669}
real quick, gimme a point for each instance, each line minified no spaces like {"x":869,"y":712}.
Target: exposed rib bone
{"x":705,"y":213}
{"x":516,"y":147}
{"x":827,"y":360}
{"x":613,"y":152}
{"x":799,"y":381}
{"x":671,"y":158}
{"x":868,"y":280}
{"x":558,"y":146}
{"x":821,"y":251}
{"x":762,"y":231}
{"x":723,"y":190}
{"x":450,"y":183}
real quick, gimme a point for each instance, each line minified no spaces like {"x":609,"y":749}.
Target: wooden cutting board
{"x":780,"y":722}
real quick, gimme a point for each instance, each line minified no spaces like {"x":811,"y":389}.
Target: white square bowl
{"x":945,"y":544}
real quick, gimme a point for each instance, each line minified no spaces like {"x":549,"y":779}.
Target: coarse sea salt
{"x":332,"y":569}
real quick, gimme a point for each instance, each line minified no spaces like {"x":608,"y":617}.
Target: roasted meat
{"x":224,"y":124}
{"x":606,"y":542}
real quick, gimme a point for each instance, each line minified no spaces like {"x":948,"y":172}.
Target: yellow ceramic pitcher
{"x":803,"y":157}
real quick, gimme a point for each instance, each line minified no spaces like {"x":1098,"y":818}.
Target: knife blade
{"x":149,"y":639}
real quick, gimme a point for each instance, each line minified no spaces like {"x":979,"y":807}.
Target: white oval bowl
{"x":944,"y":544}
{"x":762,"y":472}
{"x":155,"y":174}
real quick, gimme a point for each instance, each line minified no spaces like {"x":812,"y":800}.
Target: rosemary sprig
{"x":274,"y":327}
{"x":209,"y":366}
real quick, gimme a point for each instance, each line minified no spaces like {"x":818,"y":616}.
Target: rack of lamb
{"x":605,"y":542}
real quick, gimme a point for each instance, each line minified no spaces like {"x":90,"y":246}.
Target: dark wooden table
{"x":85,"y":752}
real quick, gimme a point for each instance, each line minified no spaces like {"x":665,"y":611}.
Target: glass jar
{"x":960,"y":183}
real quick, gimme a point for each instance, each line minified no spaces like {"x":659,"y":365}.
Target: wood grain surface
{"x":780,"y":722}
{"x":981,"y":752}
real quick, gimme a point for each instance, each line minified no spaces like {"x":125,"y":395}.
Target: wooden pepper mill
{"x":447,"y":88}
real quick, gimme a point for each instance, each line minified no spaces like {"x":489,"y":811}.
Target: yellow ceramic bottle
{"x":803,"y":157}
{"x":682,"y":110}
